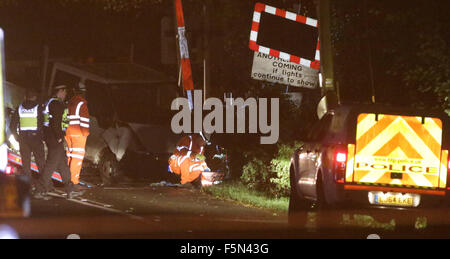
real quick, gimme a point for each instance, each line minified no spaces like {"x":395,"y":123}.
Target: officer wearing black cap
{"x":27,"y":127}
{"x":54,"y":138}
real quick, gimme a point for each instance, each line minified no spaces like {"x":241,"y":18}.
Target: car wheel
{"x":109,"y":168}
{"x":298,"y":207}
{"x":328,"y":217}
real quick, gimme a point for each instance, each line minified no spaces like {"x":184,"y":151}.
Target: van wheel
{"x":109,"y":168}
{"x":298,"y":207}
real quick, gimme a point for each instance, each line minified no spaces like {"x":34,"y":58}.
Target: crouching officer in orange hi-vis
{"x":184,"y":161}
{"x":77,"y":132}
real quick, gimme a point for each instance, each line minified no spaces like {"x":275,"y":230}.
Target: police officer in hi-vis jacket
{"x":27,"y":127}
{"x":54,"y":133}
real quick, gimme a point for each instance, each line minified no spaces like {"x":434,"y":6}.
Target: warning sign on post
{"x":282,"y":34}
{"x":275,"y":70}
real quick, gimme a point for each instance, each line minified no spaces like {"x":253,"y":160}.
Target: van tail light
{"x":340,"y":164}
{"x":341,"y":157}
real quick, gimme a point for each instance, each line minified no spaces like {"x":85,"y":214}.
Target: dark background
{"x":398,"y":48}
{"x":291,"y":37}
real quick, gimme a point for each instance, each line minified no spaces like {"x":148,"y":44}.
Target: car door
{"x":305,"y":181}
{"x":312,"y":153}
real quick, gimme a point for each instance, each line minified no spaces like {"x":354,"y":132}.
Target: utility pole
{"x":206,"y":49}
{"x":369,"y":46}
{"x":44,"y":66}
{"x":326,"y":54}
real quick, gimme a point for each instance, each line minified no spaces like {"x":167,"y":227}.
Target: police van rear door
{"x":399,"y":150}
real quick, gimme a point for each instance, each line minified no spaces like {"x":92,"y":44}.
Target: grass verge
{"x":236,"y":191}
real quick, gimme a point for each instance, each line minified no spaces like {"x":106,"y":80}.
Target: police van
{"x":369,"y":156}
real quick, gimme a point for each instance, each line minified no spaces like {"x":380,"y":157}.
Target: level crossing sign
{"x":285,"y":35}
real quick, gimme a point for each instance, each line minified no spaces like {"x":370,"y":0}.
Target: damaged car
{"x":130,"y":134}
{"x":130,"y":115}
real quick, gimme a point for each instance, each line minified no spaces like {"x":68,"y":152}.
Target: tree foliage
{"x":424,"y":61}
{"x":402,"y":43}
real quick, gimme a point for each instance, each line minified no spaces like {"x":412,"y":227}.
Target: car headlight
{"x":3,"y":157}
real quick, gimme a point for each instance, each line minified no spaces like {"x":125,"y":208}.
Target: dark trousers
{"x":196,"y":184}
{"x":31,"y":143}
{"x":56,"y":161}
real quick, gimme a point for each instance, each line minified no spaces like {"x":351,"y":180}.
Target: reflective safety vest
{"x":28,"y":118}
{"x":78,"y":117}
{"x":190,"y":144}
{"x":65,"y":119}
{"x":47,"y":115}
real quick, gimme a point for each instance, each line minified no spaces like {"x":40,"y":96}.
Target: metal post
{"x":204,"y":80}
{"x":372,"y":83}
{"x":326,"y":54}
{"x":44,"y":72}
{"x":206,"y":48}
{"x":177,"y":47}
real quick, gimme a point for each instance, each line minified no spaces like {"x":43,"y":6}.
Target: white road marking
{"x":98,"y":205}
{"x":252,"y":221}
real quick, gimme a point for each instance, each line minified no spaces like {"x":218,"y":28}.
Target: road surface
{"x":145,"y":211}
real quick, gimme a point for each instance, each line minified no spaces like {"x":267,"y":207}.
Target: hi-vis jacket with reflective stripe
{"x":190,"y":144}
{"x":48,"y":116}
{"x":28,"y":118}
{"x":183,"y":162}
{"x":78,"y":117}
{"x":27,"y":107}
{"x":46,"y":112}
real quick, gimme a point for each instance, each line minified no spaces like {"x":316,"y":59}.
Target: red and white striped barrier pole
{"x":184,"y":53}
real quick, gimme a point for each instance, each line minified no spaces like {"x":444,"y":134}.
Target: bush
{"x":256,"y":175}
{"x":280,"y":166}
{"x":266,"y":167}
{"x":270,"y":176}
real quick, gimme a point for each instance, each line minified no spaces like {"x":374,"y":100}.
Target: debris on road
{"x":164,"y":183}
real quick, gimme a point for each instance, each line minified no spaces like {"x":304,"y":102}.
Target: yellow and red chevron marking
{"x":443,"y":176}
{"x":350,"y":163}
{"x":409,"y":147}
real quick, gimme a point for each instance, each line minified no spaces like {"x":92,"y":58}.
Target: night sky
{"x":75,"y":30}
